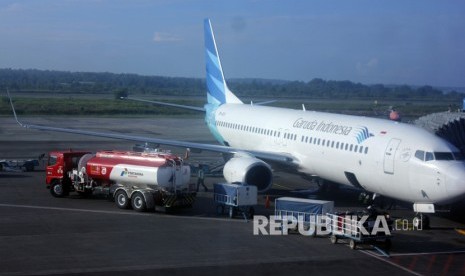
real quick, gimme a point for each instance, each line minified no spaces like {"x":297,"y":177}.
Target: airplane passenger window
{"x":337,"y":145}
{"x":356,"y":148}
{"x":429,"y":156}
{"x":332,"y":144}
{"x":366,"y":150}
{"x":310,"y":141}
{"x":443,"y":156}
{"x":347,"y":147}
{"x":420,"y":155}
{"x":361,"y":149}
{"x":351,"y":146}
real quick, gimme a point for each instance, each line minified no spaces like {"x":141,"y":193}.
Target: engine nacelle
{"x":249,"y":170}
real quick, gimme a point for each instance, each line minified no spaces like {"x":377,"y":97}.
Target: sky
{"x":372,"y":41}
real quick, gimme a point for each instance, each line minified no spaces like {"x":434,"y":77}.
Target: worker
{"x":200,"y":178}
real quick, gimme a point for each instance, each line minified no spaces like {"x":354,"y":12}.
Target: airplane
{"x":382,"y":157}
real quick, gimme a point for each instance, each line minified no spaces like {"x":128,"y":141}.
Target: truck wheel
{"x":57,"y":189}
{"x":121,"y":199}
{"x":138,"y":202}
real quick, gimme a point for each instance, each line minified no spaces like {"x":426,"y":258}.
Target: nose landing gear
{"x":421,"y":221}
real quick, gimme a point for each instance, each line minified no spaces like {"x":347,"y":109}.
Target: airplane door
{"x":389,"y":155}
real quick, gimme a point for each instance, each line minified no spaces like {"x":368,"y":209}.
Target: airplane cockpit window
{"x":440,"y":156}
{"x":444,"y":156}
{"x":429,"y":156}
{"x":420,"y":155}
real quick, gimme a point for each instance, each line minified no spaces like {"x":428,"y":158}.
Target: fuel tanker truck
{"x":133,"y":179}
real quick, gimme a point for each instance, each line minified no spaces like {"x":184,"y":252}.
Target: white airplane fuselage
{"x":374,"y":154}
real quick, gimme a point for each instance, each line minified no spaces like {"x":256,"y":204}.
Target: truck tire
{"x":57,"y":189}
{"x":138,"y":202}
{"x":121,"y":199}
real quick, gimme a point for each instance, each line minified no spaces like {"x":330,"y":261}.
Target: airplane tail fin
{"x":217,"y":91}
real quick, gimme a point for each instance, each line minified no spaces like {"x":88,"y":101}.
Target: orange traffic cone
{"x":267,"y":202}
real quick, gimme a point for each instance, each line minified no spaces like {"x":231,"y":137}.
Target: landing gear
{"x":421,"y":222}
{"x":367,"y":198}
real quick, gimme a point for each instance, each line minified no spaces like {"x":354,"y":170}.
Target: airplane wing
{"x":195,"y":108}
{"x":281,"y":158}
{"x":166,"y":104}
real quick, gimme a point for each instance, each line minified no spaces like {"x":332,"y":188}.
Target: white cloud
{"x":165,"y":37}
{"x":364,"y":68}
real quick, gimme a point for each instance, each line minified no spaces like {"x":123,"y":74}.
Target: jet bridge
{"x":447,"y":125}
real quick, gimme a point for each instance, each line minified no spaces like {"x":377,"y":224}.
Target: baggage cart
{"x":303,"y":210}
{"x":235,"y":199}
{"x":349,"y":226}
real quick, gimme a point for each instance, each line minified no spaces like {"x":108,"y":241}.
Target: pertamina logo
{"x":129,"y":173}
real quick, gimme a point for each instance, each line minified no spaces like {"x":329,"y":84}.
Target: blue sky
{"x":388,"y":42}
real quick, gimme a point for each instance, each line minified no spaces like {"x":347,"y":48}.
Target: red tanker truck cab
{"x":60,"y":163}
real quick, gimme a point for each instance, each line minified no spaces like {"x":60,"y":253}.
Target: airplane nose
{"x":455,"y":181}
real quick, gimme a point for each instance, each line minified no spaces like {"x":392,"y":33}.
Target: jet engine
{"x":249,"y":170}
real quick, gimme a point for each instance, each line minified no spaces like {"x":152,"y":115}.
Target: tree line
{"x":32,"y":80}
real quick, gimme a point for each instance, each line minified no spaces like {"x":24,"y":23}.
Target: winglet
{"x":13,"y":108}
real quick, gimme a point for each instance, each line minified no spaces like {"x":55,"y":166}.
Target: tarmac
{"x":43,"y":235}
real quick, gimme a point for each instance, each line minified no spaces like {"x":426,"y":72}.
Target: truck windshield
{"x":52,"y":160}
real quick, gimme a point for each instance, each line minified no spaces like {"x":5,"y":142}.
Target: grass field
{"x":104,"y":104}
